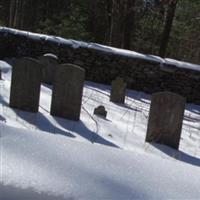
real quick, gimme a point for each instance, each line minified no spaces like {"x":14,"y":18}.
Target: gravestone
{"x":68,"y":91}
{"x":101,"y":111}
{"x":49,"y":63}
{"x":166,"y":118}
{"x":25,"y":84}
{"x":118,"y":91}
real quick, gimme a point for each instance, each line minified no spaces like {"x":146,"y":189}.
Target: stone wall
{"x":103,"y":64}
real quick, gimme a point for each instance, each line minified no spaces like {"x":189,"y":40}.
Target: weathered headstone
{"x":166,"y":118}
{"x":101,"y":111}
{"x":25,"y":84}
{"x":118,"y":91}
{"x":67,"y":91}
{"x":49,"y":63}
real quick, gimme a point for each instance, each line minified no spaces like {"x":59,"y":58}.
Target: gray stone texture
{"x":104,"y":64}
{"x":68,"y":91}
{"x":165,"y":119}
{"x":100,"y":111}
{"x":49,"y":64}
{"x":25,"y":84}
{"x":118,"y":91}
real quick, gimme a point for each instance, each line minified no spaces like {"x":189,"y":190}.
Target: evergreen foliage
{"x":138,"y":25}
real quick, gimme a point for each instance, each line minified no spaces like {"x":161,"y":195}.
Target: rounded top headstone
{"x":68,"y":91}
{"x":166,"y":119}
{"x":169,"y":94}
{"x":25,"y":84}
{"x":49,"y":62}
{"x":118,"y":90}
{"x":51,"y":55}
{"x":27,"y":61}
{"x":73,"y":67}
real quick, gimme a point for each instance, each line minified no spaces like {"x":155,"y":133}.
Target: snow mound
{"x":54,"y":165}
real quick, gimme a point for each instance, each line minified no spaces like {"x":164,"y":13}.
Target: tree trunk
{"x":115,"y":30}
{"x":167,"y":28}
{"x":16,"y":15}
{"x":129,"y":24}
{"x":18,"y":20}
{"x":122,"y":23}
{"x":12,"y":12}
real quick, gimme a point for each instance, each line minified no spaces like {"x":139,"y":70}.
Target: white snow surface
{"x":112,"y":50}
{"x":48,"y":158}
{"x":182,"y":64}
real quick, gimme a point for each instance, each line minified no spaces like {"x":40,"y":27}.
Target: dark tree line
{"x":162,"y":27}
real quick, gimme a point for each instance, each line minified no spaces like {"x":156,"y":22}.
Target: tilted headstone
{"x":166,"y":118}
{"x":118,"y":91}
{"x":68,"y":91}
{"x":49,"y":63}
{"x":25,"y":84}
{"x":101,"y":111}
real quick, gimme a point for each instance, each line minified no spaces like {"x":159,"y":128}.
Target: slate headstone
{"x":68,"y":91}
{"x":166,"y":118}
{"x":118,"y":91}
{"x":25,"y":84}
{"x":49,"y":63}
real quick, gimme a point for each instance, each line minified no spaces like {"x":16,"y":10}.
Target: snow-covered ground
{"x":45,"y":157}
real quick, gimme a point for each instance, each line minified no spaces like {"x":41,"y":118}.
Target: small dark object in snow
{"x":110,"y":135}
{"x":100,"y":110}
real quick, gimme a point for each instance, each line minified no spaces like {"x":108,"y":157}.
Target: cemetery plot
{"x":125,"y":125}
